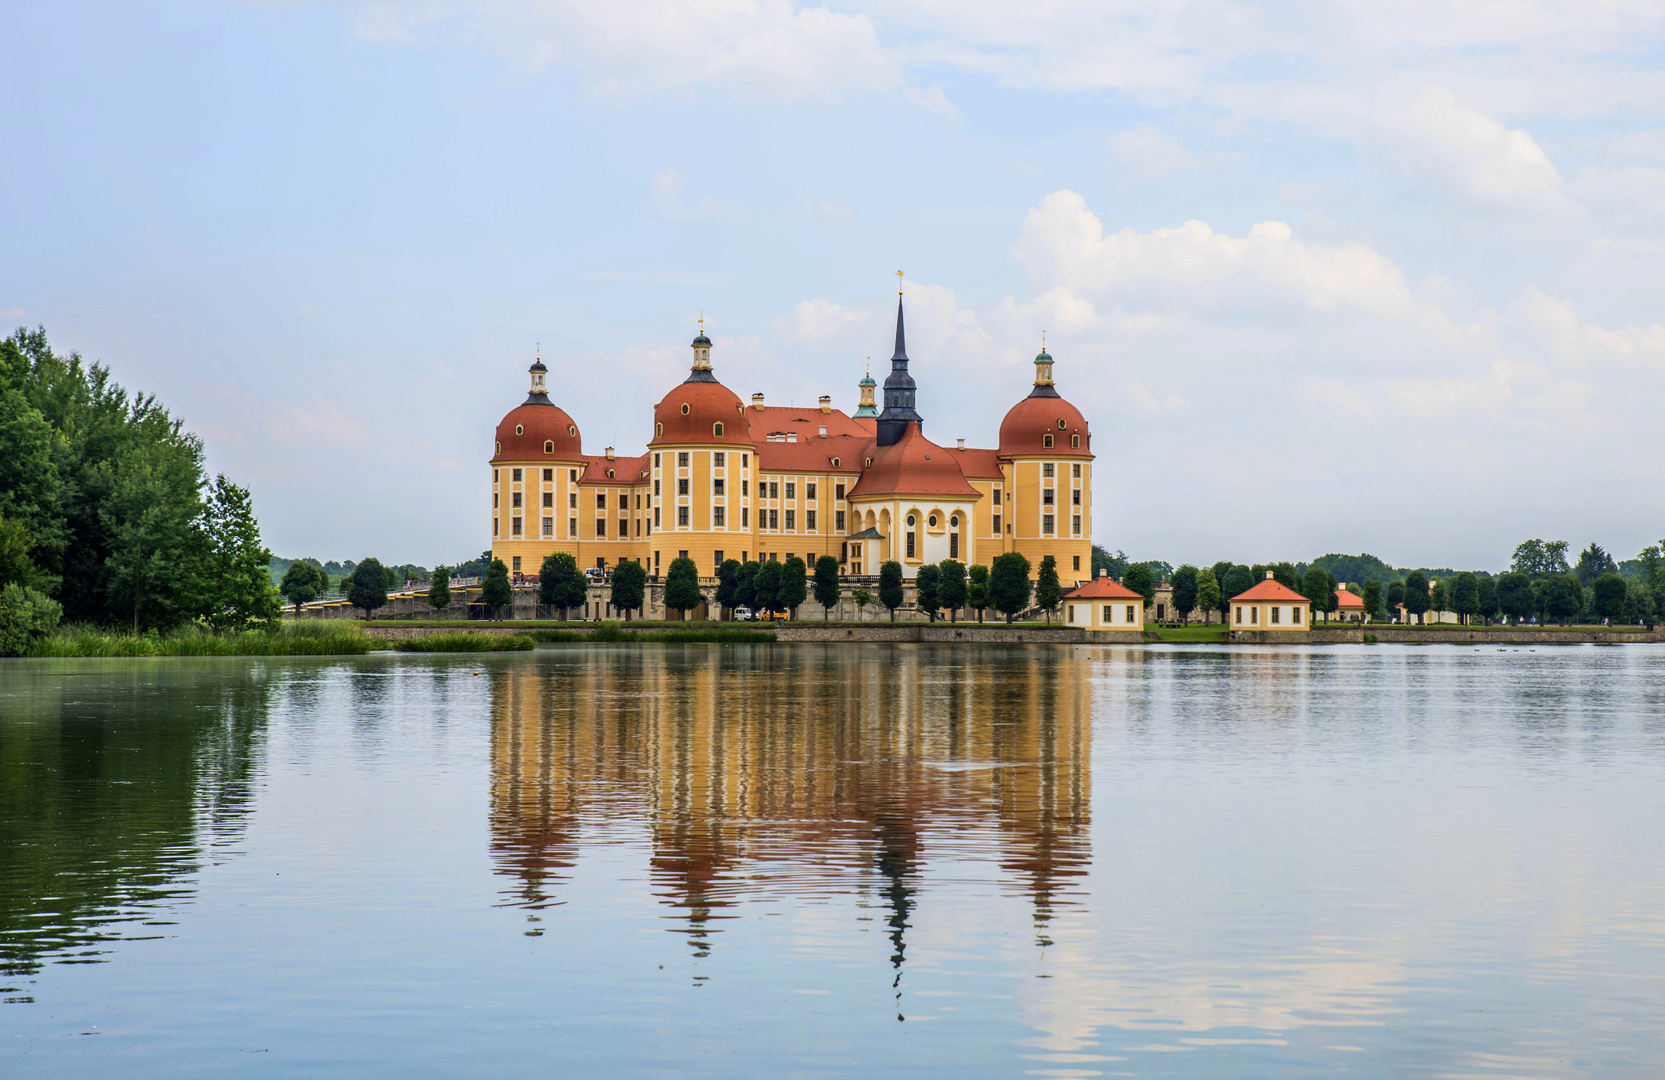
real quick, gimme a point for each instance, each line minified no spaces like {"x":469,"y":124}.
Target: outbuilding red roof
{"x":1103,"y":588}
{"x":1347,"y":601}
{"x":1271,"y":590}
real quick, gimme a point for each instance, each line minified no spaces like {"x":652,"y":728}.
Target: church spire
{"x":899,"y":390}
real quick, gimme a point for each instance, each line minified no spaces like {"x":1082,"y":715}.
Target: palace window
{"x":809,"y":520}
{"x":717,"y":559}
{"x":516,"y":476}
{"x":572,"y":500}
{"x":931,"y":521}
{"x":1046,"y":441}
{"x":953,"y":545}
{"x":515,"y":500}
{"x":517,"y":526}
{"x":1130,"y":613}
{"x":572,"y":476}
{"x":549,"y":498}
{"x":774,"y":519}
{"x":1275,"y":612}
{"x":910,"y":545}
{"x":997,"y":524}
{"x":516,"y":565}
{"x":1077,"y":562}
{"x":549,"y":526}
{"x":1046,"y":524}
{"x":656,"y":516}
{"x":624,"y":502}
{"x":1109,"y":613}
{"x":1046,"y":469}
{"x":611,"y":475}
{"x":494,"y":526}
{"x":494,"y":497}
{"x":572,"y":432}
{"x":790,"y":517}
{"x":1294,"y":614}
{"x":1075,"y":497}
{"x":717,"y":486}
{"x":1075,"y":470}
{"x":520,"y":429}
{"x":656,"y":461}
{"x":600,"y":528}
{"x":1075,"y":441}
{"x":745,"y":460}
{"x":601,"y":502}
{"x":656,"y":489}
{"x":1075,"y":527}
{"x":682,"y":517}
{"x":790,"y":488}
{"x":1070,"y":609}
{"x":1060,"y":423}
{"x":549,"y":476}
{"x":1046,"y":497}
{"x":745,"y":485}
{"x":717,"y":429}
{"x":745,"y":516}
{"x":548,"y":446}
{"x":572,"y":528}
{"x":682,"y":486}
{"x":838,"y":489}
{"x":774,"y":491}
{"x":717,"y":459}
{"x":682,"y":460}
{"x":838,"y":521}
{"x":717,"y":516}
{"x":686,"y":408}
{"x":835,"y":465}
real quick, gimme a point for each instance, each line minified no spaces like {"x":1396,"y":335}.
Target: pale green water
{"x":835,"y":861}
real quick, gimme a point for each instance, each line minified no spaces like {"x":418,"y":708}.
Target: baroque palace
{"x":725,"y":480}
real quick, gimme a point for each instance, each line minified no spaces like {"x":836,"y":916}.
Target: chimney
{"x":1103,"y":572}
{"x":1268,"y":575}
{"x":962,"y":444}
{"x":609,"y":453}
{"x":757,"y":401}
{"x":826,"y":403}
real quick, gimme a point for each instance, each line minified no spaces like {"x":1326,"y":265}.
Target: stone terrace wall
{"x":950,"y":632}
{"x":1483,"y":635}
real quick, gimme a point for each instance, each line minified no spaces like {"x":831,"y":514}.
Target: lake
{"x":827,"y":861}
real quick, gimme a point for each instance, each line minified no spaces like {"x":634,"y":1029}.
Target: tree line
{"x":107,"y":515}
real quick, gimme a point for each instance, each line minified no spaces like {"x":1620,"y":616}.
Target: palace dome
{"x":691,"y":412}
{"x":913,"y":466}
{"x":522,"y":433}
{"x":1023,"y":432}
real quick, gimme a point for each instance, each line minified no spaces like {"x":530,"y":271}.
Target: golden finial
{"x":1043,"y":341}
{"x":702,"y":322}
{"x":898,"y":283}
{"x":869,"y":366}
{"x":539,"y":351}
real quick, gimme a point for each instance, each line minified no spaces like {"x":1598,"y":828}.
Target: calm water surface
{"x":808,"y":861}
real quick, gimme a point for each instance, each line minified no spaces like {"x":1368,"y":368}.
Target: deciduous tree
{"x":1607,"y":596}
{"x":439,"y":588}
{"x":237,"y":581}
{"x":1208,"y":590}
{"x":682,"y":586}
{"x":302,"y":583}
{"x":495,"y":592}
{"x":1486,"y":588}
{"x":1185,"y":591}
{"x":1140,"y":579}
{"x":1372,"y":599}
{"x":794,"y":584}
{"x":1009,"y":584}
{"x":925,"y":581}
{"x":890,"y":586}
{"x":951,"y":587}
{"x":977,"y":589}
{"x":1416,"y":594}
{"x":369,"y":588}
{"x":629,"y":587}
{"x":861,"y":598}
{"x":1049,"y":591}
{"x":561,"y":584}
{"x":1319,"y":587}
{"x":826,"y":585}
{"x":1465,"y":596}
{"x":728,"y":584}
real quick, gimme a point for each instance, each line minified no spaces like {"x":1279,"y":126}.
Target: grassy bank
{"x":463,"y":641}
{"x":1203,"y":632}
{"x":291,"y":639}
{"x":721,"y":633}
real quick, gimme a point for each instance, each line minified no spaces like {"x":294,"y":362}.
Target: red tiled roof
{"x":982,"y":464}
{"x":1271,"y":590}
{"x":1027,"y":423}
{"x":538,"y":424}
{"x":806,"y":422}
{"x":625,"y":470}
{"x":709,"y":404}
{"x":1349,"y":601}
{"x":1103,"y":588}
{"x":814,"y":455}
{"x":913,"y":466}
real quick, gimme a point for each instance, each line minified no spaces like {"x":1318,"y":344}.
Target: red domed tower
{"x":1046,"y":453}
{"x":537,"y":457}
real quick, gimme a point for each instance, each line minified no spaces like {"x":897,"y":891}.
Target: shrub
{"x":1370,"y":639}
{"x":464,"y":641}
{"x":26,"y":616}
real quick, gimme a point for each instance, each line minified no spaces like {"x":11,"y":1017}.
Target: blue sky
{"x":1376,"y":277}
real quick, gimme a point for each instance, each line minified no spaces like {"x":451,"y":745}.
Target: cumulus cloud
{"x":820,"y":319}
{"x":1580,"y":343}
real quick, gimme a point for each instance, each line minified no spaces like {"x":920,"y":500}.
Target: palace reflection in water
{"x":754,"y":771}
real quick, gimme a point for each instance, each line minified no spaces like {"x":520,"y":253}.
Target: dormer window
{"x":1075,"y":441}
{"x":717,"y":429}
{"x":549,"y":446}
{"x":499,"y":447}
{"x":1046,"y":441}
{"x":1060,"y":423}
{"x":835,"y":463}
{"x":686,"y":408}
{"x":869,"y":464}
{"x":572,"y":432}
{"x":520,"y":429}
{"x":610,"y":474}
{"x":659,"y":429}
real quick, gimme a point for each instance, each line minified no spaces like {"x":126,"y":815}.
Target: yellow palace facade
{"x":723,"y":479}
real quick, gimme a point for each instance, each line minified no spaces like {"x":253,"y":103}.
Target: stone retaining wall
{"x":407,"y":633}
{"x":1486,"y":635}
{"x":947,"y":632}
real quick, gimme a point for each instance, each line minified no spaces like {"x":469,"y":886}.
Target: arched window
{"x":499,"y":447}
{"x":869,"y":463}
{"x":909,"y":538}
{"x":610,"y":474}
{"x":835,"y":463}
{"x":572,"y":432}
{"x":686,"y":408}
{"x":659,"y":429}
{"x":1046,"y":441}
{"x":520,"y":429}
{"x":549,"y":446}
{"x":717,"y":429}
{"x":1075,"y":441}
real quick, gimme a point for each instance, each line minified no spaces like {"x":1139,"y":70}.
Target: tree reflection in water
{"x":811,"y":770}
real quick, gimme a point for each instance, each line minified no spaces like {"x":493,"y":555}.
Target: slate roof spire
{"x":899,"y":389}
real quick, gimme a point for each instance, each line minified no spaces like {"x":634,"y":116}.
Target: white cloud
{"x":820,"y":319}
{"x":1579,"y":343}
{"x":1149,"y":402}
{"x":1152,"y":152}
{"x":1475,"y":154}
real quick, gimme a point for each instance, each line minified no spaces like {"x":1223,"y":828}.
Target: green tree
{"x":1355,"y":567}
{"x":1593,"y":562}
{"x":682,"y":586}
{"x":862,"y":598}
{"x":1465,"y":595}
{"x":925,"y":581}
{"x":1607,"y":596}
{"x":794,"y":587}
{"x":1540,"y":558}
{"x":1439,"y":597}
{"x":16,"y":543}
{"x":1208,"y":590}
{"x":1372,"y":599}
{"x":1009,"y":584}
{"x":238,"y":584}
{"x":977,"y":589}
{"x":1284,"y":574}
{"x":951,"y":587}
{"x":155,"y":573}
{"x":26,"y":616}
{"x":890,"y":586}
{"x":745,"y":586}
{"x":1514,"y":595}
{"x":1395,"y":597}
{"x":728,"y":584}
{"x":439,"y":588}
{"x":1416,"y":594}
{"x":495,"y":592}
{"x":1185,"y":591}
{"x":629,"y":587}
{"x":1141,"y":580}
{"x":1486,"y":588}
{"x":1222,"y":576}
{"x":766,"y":587}
{"x":1319,"y":587}
{"x":369,"y":588}
{"x":1049,"y":593}
{"x":29,"y":486}
{"x":302,"y":583}
{"x":827,"y":588}
{"x":1103,"y":560}
{"x":1239,"y":580}
{"x":1641,"y":602}
{"x":1563,"y":597}
{"x":561,"y":584}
